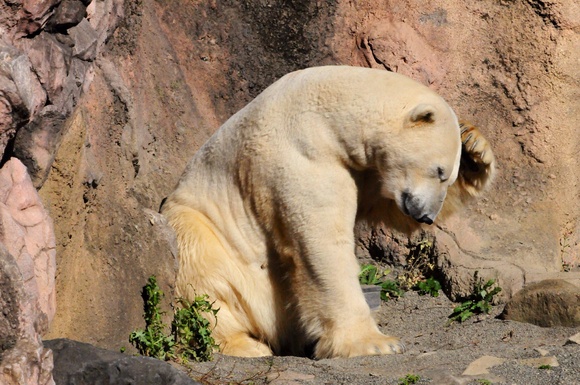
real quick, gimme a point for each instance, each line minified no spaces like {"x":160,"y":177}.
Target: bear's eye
{"x":441,"y":174}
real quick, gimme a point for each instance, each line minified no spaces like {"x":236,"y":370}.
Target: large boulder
{"x":83,"y":364}
{"x":26,"y":230}
{"x":547,"y":303}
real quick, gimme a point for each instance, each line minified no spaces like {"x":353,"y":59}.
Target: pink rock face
{"x":27,"y":232}
{"x":23,"y":359}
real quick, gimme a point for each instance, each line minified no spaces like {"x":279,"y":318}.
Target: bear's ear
{"x":423,"y":113}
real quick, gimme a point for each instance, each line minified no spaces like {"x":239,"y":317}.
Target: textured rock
{"x":45,"y":59}
{"x":482,"y":365}
{"x":546,"y":303}
{"x":21,"y":94}
{"x":33,"y":15}
{"x":550,"y":361}
{"x":398,"y":47}
{"x":23,"y":359}
{"x":36,"y":143}
{"x":84,"y":40}
{"x":575,"y":339}
{"x":462,"y":269}
{"x":68,"y":14}
{"x":27,"y":232}
{"x":83,"y":364}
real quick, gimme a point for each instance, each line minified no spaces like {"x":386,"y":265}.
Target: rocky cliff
{"x":105,"y":101}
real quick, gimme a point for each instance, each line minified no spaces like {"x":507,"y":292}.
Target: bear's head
{"x":421,"y":160}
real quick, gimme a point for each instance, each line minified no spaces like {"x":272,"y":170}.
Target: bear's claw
{"x":475,"y":146}
{"x":477,"y":160}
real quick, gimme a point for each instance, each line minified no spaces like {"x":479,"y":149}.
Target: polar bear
{"x":264,"y":212}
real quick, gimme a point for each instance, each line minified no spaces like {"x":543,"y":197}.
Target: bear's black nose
{"x":425,"y":219}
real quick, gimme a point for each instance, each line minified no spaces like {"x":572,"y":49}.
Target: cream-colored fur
{"x":264,"y":213}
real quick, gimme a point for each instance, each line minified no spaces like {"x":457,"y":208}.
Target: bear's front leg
{"x":347,"y":328}
{"x":318,"y":221}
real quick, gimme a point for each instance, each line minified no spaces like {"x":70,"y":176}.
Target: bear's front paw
{"x":477,"y":161}
{"x":374,"y":343}
{"x":381,"y":345}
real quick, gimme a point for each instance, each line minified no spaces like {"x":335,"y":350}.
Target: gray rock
{"x":18,"y":68}
{"x":80,"y":363}
{"x":21,"y":94}
{"x":36,"y":143}
{"x":51,"y":61}
{"x":552,"y":302}
{"x":85,"y":40}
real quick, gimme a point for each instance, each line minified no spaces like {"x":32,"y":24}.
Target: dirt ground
{"x":437,"y":353}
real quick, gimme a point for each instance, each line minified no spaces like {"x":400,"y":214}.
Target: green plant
{"x":545,"y":367}
{"x":152,"y":341}
{"x":192,"y":330}
{"x":409,"y":379}
{"x":390,"y":289}
{"x":429,"y":286}
{"x":479,"y":302}
{"x":190,"y":336}
{"x":420,"y":263}
{"x":370,"y":275}
{"x":483,"y":381}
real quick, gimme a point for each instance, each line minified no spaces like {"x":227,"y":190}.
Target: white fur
{"x":264,"y":213}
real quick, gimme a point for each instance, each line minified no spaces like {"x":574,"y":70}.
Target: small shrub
{"x":479,"y":302}
{"x":430,"y":286}
{"x":483,"y":381}
{"x":152,"y":341}
{"x":420,"y":264}
{"x":548,"y":367}
{"x":409,"y":379}
{"x":192,"y":331}
{"x":190,"y":336}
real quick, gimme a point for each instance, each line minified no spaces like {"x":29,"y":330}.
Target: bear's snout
{"x":415,"y":208}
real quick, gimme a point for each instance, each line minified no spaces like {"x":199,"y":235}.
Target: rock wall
{"x":23,"y":359}
{"x":158,"y":85}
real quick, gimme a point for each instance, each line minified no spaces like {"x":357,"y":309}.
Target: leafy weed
{"x":190,"y":335}
{"x":409,"y":379}
{"x":478,"y":303}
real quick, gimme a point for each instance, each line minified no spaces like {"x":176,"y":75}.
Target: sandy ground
{"x":437,"y":353}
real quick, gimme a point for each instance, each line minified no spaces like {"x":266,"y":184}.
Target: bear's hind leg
{"x":242,"y":345}
{"x":236,"y":340}
{"x":206,"y":266}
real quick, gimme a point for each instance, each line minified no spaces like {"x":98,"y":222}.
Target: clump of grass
{"x":409,"y":379}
